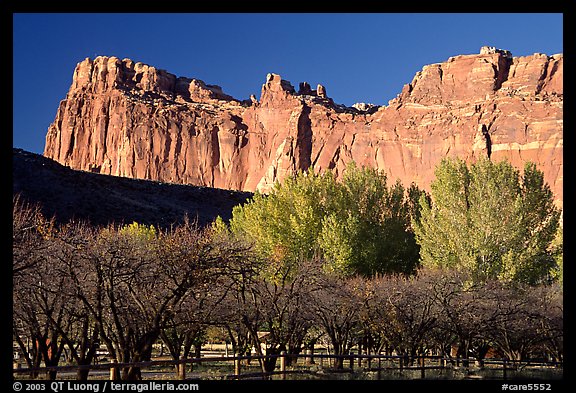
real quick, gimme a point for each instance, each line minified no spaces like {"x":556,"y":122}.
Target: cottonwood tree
{"x":284,"y":226}
{"x":358,"y":225}
{"x":368,"y":231}
{"x":557,"y":250}
{"x":490,"y":221}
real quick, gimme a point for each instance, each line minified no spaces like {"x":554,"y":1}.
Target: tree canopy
{"x":490,"y":220}
{"x":358,"y":225}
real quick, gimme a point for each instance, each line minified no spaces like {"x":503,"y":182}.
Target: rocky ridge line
{"x":130,"y":119}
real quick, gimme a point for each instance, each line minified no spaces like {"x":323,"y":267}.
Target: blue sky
{"x":357,"y":57}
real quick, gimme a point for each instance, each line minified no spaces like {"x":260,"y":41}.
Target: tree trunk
{"x":339,"y":362}
{"x":270,"y":359}
{"x":292,"y":356}
{"x":462,"y":353}
{"x":256,"y":343}
{"x":480,"y":354}
{"x":310,"y":352}
{"x":133,"y":373}
{"x":82,"y":374}
{"x":144,"y":353}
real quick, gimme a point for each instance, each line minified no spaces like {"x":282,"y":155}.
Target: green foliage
{"x":139,"y":232}
{"x":358,"y":225}
{"x":556,"y":248}
{"x":489,"y":220}
{"x":219,"y":227}
{"x":284,"y":226}
{"x":368,"y":230}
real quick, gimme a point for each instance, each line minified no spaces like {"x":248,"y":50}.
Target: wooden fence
{"x":372,"y":363}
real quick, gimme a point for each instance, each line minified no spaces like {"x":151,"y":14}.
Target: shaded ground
{"x":220,"y":370}
{"x":70,"y":194}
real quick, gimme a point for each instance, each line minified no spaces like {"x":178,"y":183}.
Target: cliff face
{"x":130,"y":119}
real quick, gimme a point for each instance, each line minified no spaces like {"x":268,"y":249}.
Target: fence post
{"x":351,"y":360}
{"x":504,"y":369}
{"x":283,"y":364}
{"x":236,"y":365}
{"x":422,"y":371}
{"x":401,"y":363}
{"x":369,"y":360}
{"x":113,"y":370}
{"x":321,"y":360}
{"x":182,"y":369}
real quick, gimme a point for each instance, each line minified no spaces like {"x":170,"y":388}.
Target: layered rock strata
{"x":130,"y":119}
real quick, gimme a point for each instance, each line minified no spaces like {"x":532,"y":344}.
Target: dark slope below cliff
{"x":70,"y":194}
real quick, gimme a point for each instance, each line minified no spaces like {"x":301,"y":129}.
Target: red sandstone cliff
{"x":130,"y":119}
